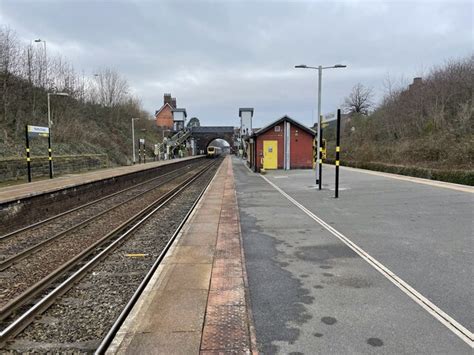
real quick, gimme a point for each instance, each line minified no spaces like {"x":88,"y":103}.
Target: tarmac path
{"x":311,"y":292}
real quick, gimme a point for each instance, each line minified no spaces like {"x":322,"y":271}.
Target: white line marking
{"x":431,"y":308}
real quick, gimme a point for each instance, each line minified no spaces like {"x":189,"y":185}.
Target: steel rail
{"x":107,"y":340}
{"x":28,"y":251}
{"x":26,"y":318}
{"x":42,"y":284}
{"x":39,"y":223}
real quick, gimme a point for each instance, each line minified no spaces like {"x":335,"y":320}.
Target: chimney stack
{"x":167,"y":99}
{"x":173,"y":102}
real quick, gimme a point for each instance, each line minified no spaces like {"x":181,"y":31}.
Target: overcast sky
{"x":217,"y":56}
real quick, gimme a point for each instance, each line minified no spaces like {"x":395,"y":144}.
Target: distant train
{"x":213,"y":152}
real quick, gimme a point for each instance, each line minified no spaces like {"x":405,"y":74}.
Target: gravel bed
{"x":82,"y":317}
{"x":31,"y":237}
{"x":35,"y":267}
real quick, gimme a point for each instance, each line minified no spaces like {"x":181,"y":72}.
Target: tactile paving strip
{"x":234,"y":297}
{"x":226,"y":324}
{"x":226,"y":283}
{"x":226,"y":329}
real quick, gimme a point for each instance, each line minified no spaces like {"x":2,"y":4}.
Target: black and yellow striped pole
{"x":139,"y":151}
{"x":28,"y":159}
{"x":50,"y":156}
{"x":320,"y":153}
{"x":315,"y":152}
{"x":338,"y":150}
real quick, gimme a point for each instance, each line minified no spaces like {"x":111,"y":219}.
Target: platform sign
{"x":37,"y":131}
{"x":34,"y":131}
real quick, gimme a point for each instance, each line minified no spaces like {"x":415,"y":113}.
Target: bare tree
{"x":359,"y":100}
{"x":8,"y":64}
{"x":111,"y":87}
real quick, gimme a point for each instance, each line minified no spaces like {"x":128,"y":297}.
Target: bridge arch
{"x":204,"y":135}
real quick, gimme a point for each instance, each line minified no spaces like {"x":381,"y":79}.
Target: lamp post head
{"x":38,"y":40}
{"x":61,"y":94}
{"x":301,"y":66}
{"x":340,"y":66}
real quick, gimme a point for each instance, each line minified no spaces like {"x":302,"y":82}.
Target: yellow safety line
{"x":136,"y":255}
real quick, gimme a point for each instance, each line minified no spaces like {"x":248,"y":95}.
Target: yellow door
{"x":270,"y":154}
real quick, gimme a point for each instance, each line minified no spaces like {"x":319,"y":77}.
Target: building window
{"x":277,"y":128}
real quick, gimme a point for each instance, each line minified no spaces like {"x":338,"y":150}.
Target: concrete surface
{"x":423,"y":233}
{"x":310,"y":293}
{"x":34,"y":188}
{"x":195,"y":302}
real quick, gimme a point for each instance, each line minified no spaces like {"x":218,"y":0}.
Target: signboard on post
{"x":37,"y":131}
{"x":142,"y":140}
{"x":34,"y":131}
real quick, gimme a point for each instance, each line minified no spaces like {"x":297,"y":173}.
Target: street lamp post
{"x":133,"y":139}
{"x":144,"y":149}
{"x":50,"y":157}
{"x":318,"y":142}
{"x":45,"y":59}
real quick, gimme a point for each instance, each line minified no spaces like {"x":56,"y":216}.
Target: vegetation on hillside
{"x":430,"y":124}
{"x":94,"y":118}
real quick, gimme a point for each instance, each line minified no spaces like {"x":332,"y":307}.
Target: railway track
{"x":16,"y":242}
{"x":29,"y":272}
{"x":125,"y":237}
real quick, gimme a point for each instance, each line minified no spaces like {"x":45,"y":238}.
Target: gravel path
{"x":81,"y":318}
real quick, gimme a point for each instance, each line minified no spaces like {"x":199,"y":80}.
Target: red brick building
{"x":164,"y":116}
{"x":283,"y":144}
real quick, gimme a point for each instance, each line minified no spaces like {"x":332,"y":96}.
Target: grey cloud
{"x":215,"y":57}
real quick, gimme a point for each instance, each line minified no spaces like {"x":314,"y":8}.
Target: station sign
{"x":34,"y":131}
{"x":142,"y":141}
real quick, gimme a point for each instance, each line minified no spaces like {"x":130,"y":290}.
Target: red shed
{"x":283,"y":144}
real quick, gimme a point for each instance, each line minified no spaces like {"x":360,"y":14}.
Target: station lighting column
{"x":45,"y":60}
{"x":133,"y":140}
{"x":50,"y":157}
{"x":320,"y":75}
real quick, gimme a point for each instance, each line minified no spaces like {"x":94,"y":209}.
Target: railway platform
{"x":381,"y":269}
{"x":27,"y":190}
{"x":197,"y":300}
{"x":255,"y":270}
{"x":268,"y":264}
{"x":40,"y":200}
